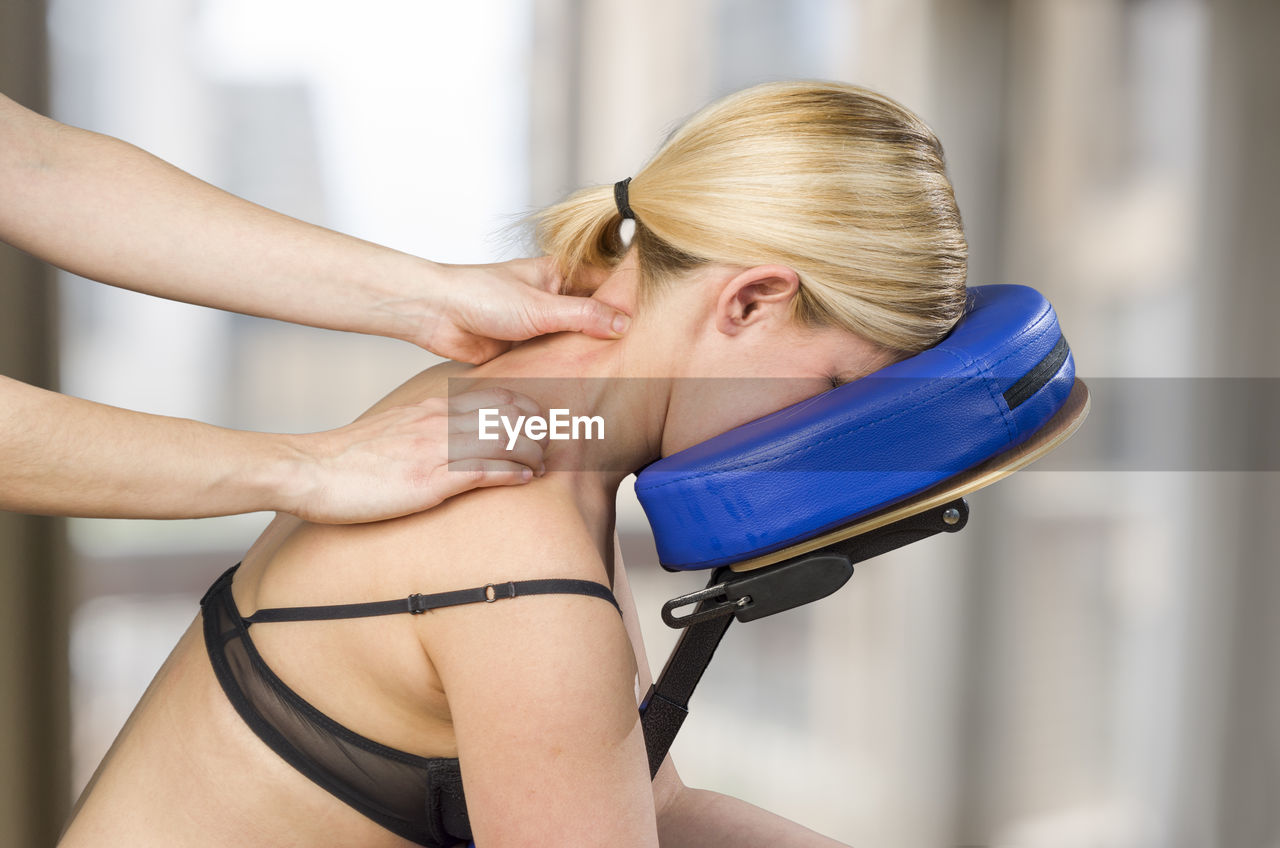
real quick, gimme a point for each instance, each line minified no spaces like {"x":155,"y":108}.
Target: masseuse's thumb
{"x":561,"y":313}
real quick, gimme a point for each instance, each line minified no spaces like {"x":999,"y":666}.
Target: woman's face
{"x":753,"y":381}
{"x":725,"y":339}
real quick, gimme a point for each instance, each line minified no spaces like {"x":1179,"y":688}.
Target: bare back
{"x":186,"y":770}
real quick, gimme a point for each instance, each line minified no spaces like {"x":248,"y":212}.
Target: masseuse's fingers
{"x":402,"y":461}
{"x":467,"y":474}
{"x":488,"y":424}
{"x":500,"y":444}
{"x":486,"y":308}
{"x":555,"y":313}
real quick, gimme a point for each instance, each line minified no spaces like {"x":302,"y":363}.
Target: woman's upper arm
{"x":542,"y":698}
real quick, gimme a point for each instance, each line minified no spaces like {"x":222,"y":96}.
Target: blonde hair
{"x":839,"y":183}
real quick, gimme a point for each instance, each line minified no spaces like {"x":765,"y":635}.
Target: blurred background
{"x":1095,"y":661}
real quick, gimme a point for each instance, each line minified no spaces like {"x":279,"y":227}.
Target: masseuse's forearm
{"x":106,"y":210}
{"x":61,"y":455}
{"x":696,"y":818}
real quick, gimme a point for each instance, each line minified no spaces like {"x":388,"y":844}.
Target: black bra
{"x":417,"y":798}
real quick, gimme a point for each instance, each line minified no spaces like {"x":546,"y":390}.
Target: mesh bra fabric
{"x":418,"y":798}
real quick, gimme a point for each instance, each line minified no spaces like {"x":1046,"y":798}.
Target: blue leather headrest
{"x":997,"y":378}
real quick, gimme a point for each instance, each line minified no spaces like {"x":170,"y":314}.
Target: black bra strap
{"x":417,"y":604}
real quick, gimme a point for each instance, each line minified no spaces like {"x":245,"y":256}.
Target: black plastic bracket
{"x":757,"y":594}
{"x":712,"y":602}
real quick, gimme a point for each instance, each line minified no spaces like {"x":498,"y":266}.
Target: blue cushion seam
{"x":993,"y":391}
{"x":1036,"y":330}
{"x":997,"y":396}
{"x":1039,"y":332}
{"x":1035,"y":326}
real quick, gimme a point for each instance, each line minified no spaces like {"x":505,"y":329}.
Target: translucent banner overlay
{"x":1134,"y":424}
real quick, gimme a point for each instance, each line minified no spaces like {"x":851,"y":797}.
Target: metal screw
{"x":951,"y":515}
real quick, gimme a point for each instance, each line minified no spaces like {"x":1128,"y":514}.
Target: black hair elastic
{"x":620,"y":198}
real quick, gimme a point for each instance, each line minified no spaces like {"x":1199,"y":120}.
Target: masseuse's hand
{"x":410,"y":458}
{"x":62,"y":455}
{"x":487,"y":307}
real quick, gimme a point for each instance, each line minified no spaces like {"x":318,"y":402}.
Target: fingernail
{"x":526,"y":474}
{"x":621,"y":323}
{"x":542,"y":468}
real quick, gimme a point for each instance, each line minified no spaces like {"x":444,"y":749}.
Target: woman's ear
{"x":760,"y":293}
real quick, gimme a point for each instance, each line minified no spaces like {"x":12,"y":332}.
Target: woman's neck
{"x":605,"y":415}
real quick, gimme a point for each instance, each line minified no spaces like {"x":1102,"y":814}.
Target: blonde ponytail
{"x":840,"y":183}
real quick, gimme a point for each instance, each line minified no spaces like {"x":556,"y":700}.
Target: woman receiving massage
{"x":804,"y":231}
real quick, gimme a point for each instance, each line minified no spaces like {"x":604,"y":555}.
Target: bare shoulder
{"x":510,"y":533}
{"x":483,"y":536}
{"x":541,"y":689}
{"x":430,"y":382}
